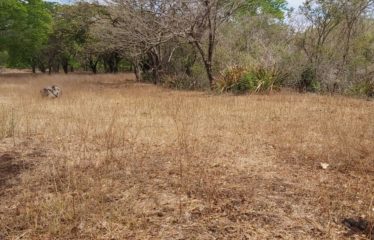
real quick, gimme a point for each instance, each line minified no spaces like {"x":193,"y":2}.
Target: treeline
{"x":228,"y":45}
{"x":50,"y":37}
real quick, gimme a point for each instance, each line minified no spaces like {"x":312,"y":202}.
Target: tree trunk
{"x":43,"y":70}
{"x":116,"y":60}
{"x":94,"y":69}
{"x":189,"y":64}
{"x":65,"y":68}
{"x":93,"y":66}
{"x":33,"y":68}
{"x":56,"y":68}
{"x":109,"y":65}
{"x":211,"y":12}
{"x":111,"y":62}
{"x":156,"y":76}
{"x":207,"y":63}
{"x":106,"y":69}
{"x":209,"y":72}
{"x":137,"y":72}
{"x":155,"y":60}
{"x":65,"y":65}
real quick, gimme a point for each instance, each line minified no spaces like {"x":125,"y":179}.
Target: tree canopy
{"x":191,"y":42}
{"x":26,"y":26}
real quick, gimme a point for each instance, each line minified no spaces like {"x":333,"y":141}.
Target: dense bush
{"x":252,"y":79}
{"x":230,"y":79}
{"x":365,"y":88}
{"x":308,"y":81}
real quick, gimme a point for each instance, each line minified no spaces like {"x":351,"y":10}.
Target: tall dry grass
{"x":114,"y":159}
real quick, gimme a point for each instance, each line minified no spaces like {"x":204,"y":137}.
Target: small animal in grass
{"x":51,"y":91}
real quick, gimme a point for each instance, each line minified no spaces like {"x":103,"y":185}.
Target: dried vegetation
{"x":114,"y":159}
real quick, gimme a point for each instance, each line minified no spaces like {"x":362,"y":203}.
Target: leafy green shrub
{"x":198,"y":72}
{"x":3,"y":58}
{"x":365,"y":88}
{"x":315,"y":86}
{"x":308,"y":81}
{"x":246,"y":83}
{"x":257,"y":79}
{"x":268,"y":79}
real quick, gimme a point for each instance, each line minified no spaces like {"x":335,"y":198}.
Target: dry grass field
{"x":115,"y":159}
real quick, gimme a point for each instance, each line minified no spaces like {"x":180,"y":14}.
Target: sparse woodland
{"x":227,"y":45}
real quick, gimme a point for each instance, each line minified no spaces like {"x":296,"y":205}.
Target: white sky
{"x":295,"y":3}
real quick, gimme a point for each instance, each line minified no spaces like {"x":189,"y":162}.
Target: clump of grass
{"x":365,"y":88}
{"x":257,"y":79}
{"x":308,"y":81}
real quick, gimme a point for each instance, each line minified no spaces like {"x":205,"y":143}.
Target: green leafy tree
{"x":212,"y":13}
{"x":25,"y":26}
{"x":275,"y":8}
{"x":13,"y":16}
{"x":71,"y":40}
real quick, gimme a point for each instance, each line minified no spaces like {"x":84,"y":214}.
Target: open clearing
{"x":115,"y":159}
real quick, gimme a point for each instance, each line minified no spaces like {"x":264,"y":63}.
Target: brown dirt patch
{"x":9,"y":169}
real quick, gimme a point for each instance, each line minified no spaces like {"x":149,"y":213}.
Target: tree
{"x":13,"y":16}
{"x":352,"y":11}
{"x":143,"y":28}
{"x":202,"y":19}
{"x":138,"y":30}
{"x":25,"y":26}
{"x":323,"y":18}
{"x":68,"y":34}
{"x":329,"y":37}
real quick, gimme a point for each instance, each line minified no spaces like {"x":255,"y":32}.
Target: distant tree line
{"x":326,"y":45}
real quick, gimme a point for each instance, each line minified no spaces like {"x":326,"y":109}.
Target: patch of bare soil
{"x":9,"y":169}
{"x":14,"y":160}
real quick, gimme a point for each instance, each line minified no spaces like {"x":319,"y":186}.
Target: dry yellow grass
{"x":114,"y":159}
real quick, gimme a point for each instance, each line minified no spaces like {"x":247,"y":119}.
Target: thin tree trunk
{"x":208,"y":57}
{"x":116,"y":60}
{"x":207,"y":64}
{"x":65,"y":65}
{"x":155,"y":67}
{"x":137,"y":72}
{"x":65,"y":68}
{"x":93,"y":66}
